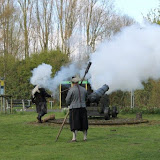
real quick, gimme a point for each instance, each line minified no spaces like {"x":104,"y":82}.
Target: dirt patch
{"x":98,"y":121}
{"x":101,"y":121}
{"x":153,"y":122}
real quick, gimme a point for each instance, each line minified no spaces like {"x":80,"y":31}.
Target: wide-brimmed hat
{"x":75,"y":80}
{"x":36,"y":89}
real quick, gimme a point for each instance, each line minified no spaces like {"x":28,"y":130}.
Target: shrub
{"x":144,"y":110}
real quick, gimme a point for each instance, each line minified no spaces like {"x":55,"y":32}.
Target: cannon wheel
{"x":103,"y":102}
{"x":114,"y":111}
{"x":106,"y":113}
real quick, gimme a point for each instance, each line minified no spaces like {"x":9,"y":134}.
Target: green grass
{"x":21,"y":139}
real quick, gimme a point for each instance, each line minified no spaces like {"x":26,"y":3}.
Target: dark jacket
{"x":40,"y":96}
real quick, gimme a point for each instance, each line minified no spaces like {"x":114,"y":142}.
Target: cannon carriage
{"x":98,"y":104}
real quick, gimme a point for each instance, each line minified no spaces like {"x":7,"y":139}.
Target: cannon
{"x":95,"y":96}
{"x":98,"y":104}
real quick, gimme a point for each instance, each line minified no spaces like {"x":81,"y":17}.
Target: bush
{"x":18,"y":72}
{"x":65,"y":110}
{"x":143,"y":110}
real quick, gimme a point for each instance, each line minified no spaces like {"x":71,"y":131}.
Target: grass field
{"x":21,"y":139}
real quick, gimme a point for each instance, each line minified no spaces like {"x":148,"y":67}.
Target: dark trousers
{"x":78,"y":119}
{"x":41,"y":108}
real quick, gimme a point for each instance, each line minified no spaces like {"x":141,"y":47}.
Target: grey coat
{"x":73,"y":99}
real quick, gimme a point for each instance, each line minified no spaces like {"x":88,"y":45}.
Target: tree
{"x":19,"y":74}
{"x":67,"y":12}
{"x":154,"y":100}
{"x":44,"y":14}
{"x":100,"y":21}
{"x":26,"y":7}
{"x":153,"y":16}
{"x":7,"y":19}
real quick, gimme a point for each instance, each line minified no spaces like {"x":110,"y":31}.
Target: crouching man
{"x":76,"y":100}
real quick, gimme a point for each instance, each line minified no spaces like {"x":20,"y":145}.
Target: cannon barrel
{"x":96,"y":95}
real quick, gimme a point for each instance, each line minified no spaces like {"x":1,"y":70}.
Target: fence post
{"x":11,"y":105}
{"x":23,"y":104}
{"x":51,"y":103}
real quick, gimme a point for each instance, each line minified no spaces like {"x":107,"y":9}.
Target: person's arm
{"x":68,"y":98}
{"x":45,"y":94}
{"x":33,"y":99}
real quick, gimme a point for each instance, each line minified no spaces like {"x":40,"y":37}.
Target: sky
{"x":136,"y":8}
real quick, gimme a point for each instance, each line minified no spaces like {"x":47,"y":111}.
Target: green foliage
{"x":6,"y":63}
{"x":154,"y":99}
{"x":143,"y":110}
{"x":55,"y":58}
{"x":153,"y":16}
{"x":146,"y":100}
{"x":18,"y":72}
{"x":119,"y":98}
{"x":142,"y":97}
{"x":65,"y":110}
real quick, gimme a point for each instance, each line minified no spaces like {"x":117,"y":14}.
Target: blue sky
{"x":135,"y":8}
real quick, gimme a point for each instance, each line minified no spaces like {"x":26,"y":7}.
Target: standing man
{"x":76,"y":100}
{"x":39,"y":98}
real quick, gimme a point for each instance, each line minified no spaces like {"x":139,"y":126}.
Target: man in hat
{"x":76,"y":100}
{"x":39,"y":98}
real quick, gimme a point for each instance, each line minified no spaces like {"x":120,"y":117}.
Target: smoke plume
{"x":131,"y":57}
{"x":42,"y":75}
{"x":128,"y":59}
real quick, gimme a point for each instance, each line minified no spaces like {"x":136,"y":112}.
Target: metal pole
{"x":23,"y":104}
{"x":60,"y":103}
{"x":1,"y":104}
{"x":11,"y":105}
{"x":132,"y":99}
{"x":4,"y":102}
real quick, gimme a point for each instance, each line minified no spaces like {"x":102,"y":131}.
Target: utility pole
{"x":2,"y":93}
{"x":132,"y":99}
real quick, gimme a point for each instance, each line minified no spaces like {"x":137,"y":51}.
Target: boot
{"x":39,"y":119}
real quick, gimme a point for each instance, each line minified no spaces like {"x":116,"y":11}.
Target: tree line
{"x":33,"y":28}
{"x":51,"y":31}
{"x":18,"y":72}
{"x":30,"y":26}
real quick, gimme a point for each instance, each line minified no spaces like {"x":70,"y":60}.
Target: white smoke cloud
{"x":42,"y":75}
{"x":129,"y":58}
